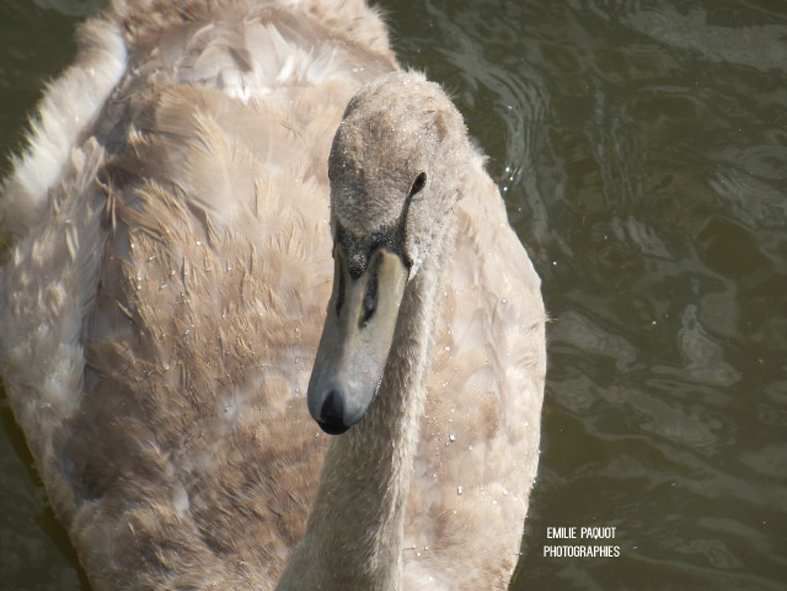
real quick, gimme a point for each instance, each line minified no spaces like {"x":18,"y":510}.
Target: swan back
{"x":172,"y":279}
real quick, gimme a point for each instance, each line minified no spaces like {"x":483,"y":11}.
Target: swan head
{"x":397,"y":169}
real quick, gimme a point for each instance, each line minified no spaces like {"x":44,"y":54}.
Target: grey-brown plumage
{"x":162,"y":303}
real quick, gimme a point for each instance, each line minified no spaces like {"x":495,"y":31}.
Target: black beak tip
{"x":331,"y":419}
{"x":333,"y":427}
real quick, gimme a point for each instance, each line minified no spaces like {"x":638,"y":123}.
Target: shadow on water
{"x":31,"y":511}
{"x":642,"y":152}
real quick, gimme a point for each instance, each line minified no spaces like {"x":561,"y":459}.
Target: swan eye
{"x":418,"y":184}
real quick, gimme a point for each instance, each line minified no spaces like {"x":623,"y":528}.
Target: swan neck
{"x":355,"y":532}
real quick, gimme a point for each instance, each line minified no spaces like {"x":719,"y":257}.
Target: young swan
{"x":161,"y":306}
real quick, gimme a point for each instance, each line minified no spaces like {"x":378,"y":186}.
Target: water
{"x":642,"y":150}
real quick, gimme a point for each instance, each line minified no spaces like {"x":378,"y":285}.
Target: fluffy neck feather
{"x":356,"y":527}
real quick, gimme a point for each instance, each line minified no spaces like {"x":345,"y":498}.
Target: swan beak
{"x":356,"y":339}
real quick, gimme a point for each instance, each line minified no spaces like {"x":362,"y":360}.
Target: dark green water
{"x":642,"y":150}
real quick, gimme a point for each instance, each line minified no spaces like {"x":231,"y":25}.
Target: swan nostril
{"x":332,"y":414}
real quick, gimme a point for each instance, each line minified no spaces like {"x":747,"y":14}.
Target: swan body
{"x":173,"y":226}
